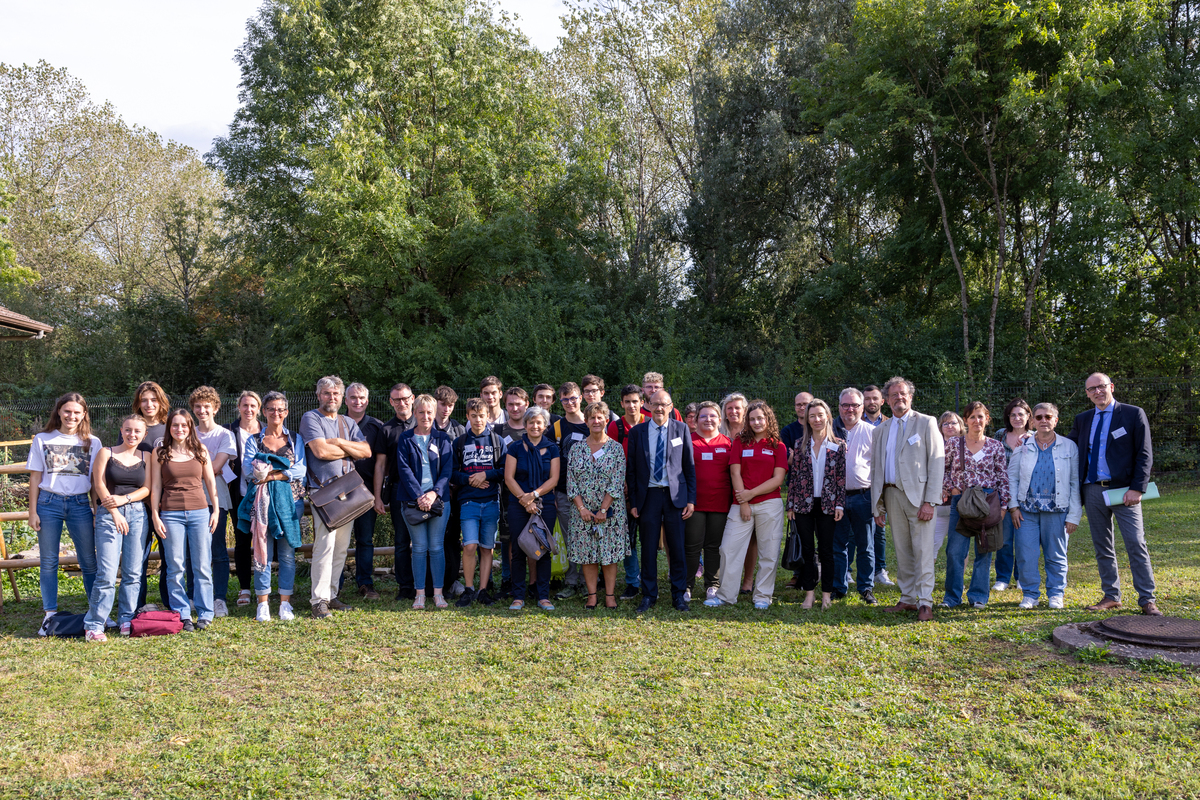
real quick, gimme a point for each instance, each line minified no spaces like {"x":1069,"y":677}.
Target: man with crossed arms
{"x":908,"y":463}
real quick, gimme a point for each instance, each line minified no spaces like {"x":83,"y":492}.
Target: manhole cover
{"x":1154,"y":631}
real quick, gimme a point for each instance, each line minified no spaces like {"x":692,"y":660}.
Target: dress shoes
{"x":901,"y":607}
{"x":1105,"y":605}
{"x":868,"y":597}
{"x":681,"y":605}
{"x":1151,"y":610}
{"x":925,"y":614}
{"x":644,"y":606}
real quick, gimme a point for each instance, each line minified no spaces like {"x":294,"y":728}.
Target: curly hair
{"x":771,"y":434}
{"x":191,"y":443}
{"x":205,"y":394}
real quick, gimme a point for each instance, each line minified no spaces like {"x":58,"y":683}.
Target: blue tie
{"x":660,"y":455}
{"x":1094,"y":450}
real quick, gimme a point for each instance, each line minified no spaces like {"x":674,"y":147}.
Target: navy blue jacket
{"x":1129,"y":455}
{"x":680,"y":468}
{"x":408,"y":465}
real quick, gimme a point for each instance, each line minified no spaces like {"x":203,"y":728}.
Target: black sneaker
{"x":188,"y":627}
{"x":868,"y":597}
{"x":506,"y":586}
{"x":630,"y":592}
{"x":485,"y":597}
{"x":201,"y":624}
{"x":466,"y":598}
{"x":406,"y":594}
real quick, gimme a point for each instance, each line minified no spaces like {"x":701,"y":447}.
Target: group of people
{"x":707,"y":484}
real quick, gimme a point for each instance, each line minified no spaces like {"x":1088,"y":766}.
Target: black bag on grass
{"x":65,"y":625}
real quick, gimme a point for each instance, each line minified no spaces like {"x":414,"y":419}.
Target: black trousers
{"x":820,"y":524}
{"x":659,"y":512}
{"x":703,"y":532}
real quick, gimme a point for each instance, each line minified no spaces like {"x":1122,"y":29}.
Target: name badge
{"x":747,"y":454}
{"x":914,"y":439}
{"x":507,"y":441}
{"x":720,"y":449}
{"x":577,"y":437}
{"x":1118,"y":433}
{"x":470,"y":448}
{"x":677,"y":442}
{"x":767,"y":452}
{"x":706,"y":456}
{"x":831,"y":447}
{"x":433,"y":448}
{"x":596,"y":455}
{"x":978,"y":456}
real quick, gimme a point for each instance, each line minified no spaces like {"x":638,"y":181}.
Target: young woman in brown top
{"x":183,"y":521}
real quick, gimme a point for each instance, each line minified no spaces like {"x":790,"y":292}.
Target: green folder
{"x":1116,"y":497}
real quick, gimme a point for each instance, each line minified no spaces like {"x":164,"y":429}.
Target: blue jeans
{"x":220,"y":562}
{"x":188,"y":534}
{"x":1005,"y":556}
{"x":428,"y":549}
{"x":75,"y":512}
{"x":1042,"y":532}
{"x":957,"y":548}
{"x":116,"y":550}
{"x":285,"y":554}
{"x":479,"y":522}
{"x":853,"y":538}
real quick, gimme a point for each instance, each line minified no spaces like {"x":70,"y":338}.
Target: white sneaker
{"x":285,"y":611}
{"x":45,"y":622}
{"x":1028,"y":602}
{"x":710,"y":593}
{"x":882,"y":579}
{"x":220,"y":609}
{"x":999,"y":586}
{"x":264,"y":613}
{"x":978,"y":605}
{"x":687,"y":595}
{"x":1056,"y":602}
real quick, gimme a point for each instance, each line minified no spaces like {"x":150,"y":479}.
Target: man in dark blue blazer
{"x":661,"y":476}
{"x":1115,"y":452}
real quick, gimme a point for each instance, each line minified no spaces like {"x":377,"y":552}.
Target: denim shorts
{"x":478,"y":522}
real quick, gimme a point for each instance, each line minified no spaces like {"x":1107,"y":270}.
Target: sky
{"x":167,"y":65}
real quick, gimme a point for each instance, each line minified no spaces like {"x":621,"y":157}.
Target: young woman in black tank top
{"x":121,"y":480}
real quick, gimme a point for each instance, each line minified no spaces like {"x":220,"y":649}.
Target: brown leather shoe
{"x":338,"y":605}
{"x":925,"y":614}
{"x":900,"y":607}
{"x":1151,"y":610}
{"x":1105,"y":605}
{"x":368,"y":593}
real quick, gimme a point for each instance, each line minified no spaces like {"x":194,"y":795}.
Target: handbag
{"x":536,"y":540}
{"x":973,"y":520}
{"x":345,"y":498}
{"x":65,"y":625}
{"x":413,"y":514}
{"x":155,"y":623}
{"x":793,"y":553}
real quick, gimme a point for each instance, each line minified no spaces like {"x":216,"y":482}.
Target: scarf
{"x":537,"y":470}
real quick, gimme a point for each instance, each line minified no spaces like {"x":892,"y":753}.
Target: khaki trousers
{"x":328,"y":559}
{"x":913,"y":541}
{"x":766,"y":519}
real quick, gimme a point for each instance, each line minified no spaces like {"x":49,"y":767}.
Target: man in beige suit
{"x":907,"y":464}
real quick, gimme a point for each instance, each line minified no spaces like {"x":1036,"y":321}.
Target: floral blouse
{"x":987,"y":468}
{"x":800,"y":479}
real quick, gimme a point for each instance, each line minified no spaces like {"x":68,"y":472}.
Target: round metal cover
{"x":1154,"y":631}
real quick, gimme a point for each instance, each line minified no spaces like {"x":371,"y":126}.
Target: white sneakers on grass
{"x":882,"y":579}
{"x":1028,"y":602}
{"x":1056,"y":602}
{"x":220,"y":609}
{"x":264,"y":612}
{"x":285,"y":611}
{"x":1000,"y":586}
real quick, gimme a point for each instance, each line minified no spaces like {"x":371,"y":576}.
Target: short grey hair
{"x":359,"y":387}
{"x":273,"y":396}
{"x":850,"y":390}
{"x":537,"y":411}
{"x":887,"y":387}
{"x":330,"y":382}
{"x":1053,"y":409}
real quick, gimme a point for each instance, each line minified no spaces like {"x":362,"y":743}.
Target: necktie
{"x":1094,"y":450}
{"x":660,"y":455}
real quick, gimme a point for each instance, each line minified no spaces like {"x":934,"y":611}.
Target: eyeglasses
{"x":1098,"y":388}
{"x":851,"y":405}
{"x":274,"y":410}
{"x":660,"y":405}
{"x":572,"y":399}
{"x":402,"y":399}
{"x":1040,"y":417}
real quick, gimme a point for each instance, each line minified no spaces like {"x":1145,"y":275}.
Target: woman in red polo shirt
{"x":757,"y":467}
{"x":705,"y":528}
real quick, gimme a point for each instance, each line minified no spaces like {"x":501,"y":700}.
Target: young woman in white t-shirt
{"x":60,"y":482}
{"x":205,"y":403}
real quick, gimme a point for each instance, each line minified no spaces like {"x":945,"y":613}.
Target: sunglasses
{"x":1043,"y":416}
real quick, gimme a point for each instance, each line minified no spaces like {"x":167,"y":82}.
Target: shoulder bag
{"x":536,"y":540}
{"x":343,"y":499}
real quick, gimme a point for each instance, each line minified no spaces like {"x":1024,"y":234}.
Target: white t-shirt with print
{"x":65,"y":462}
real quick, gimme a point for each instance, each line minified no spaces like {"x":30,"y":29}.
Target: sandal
{"x":440,"y":602}
{"x":592,"y":605}
{"x":517,"y":605}
{"x":545,"y":605}
{"x":243,"y":597}
{"x":419,"y":602}
{"x":609,"y":597}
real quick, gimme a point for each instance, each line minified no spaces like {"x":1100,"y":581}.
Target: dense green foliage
{"x":750,"y":192}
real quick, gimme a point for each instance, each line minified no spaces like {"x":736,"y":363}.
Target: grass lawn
{"x":386,"y":702}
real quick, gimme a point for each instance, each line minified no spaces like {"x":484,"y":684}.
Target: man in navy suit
{"x":1115,"y":452}
{"x":662,"y":493}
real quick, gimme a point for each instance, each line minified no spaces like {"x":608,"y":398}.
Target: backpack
{"x":67,"y":626}
{"x":155,"y":623}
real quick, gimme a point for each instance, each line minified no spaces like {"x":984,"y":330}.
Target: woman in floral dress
{"x":596,"y":534}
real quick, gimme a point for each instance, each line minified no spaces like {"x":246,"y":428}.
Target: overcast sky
{"x":168,"y":64}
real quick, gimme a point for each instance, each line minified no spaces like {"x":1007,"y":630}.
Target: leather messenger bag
{"x":345,"y":498}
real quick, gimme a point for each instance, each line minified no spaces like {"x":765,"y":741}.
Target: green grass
{"x":388,"y":703}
